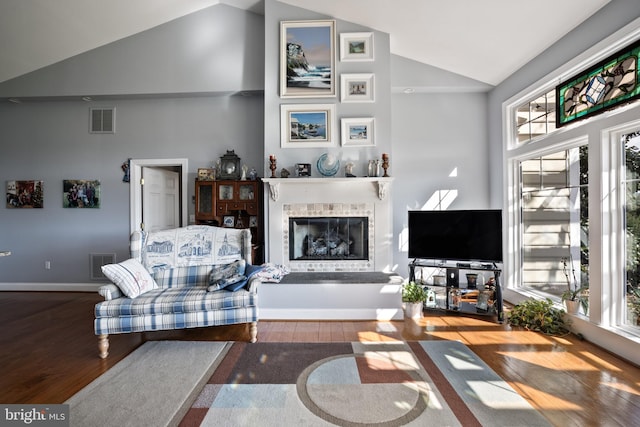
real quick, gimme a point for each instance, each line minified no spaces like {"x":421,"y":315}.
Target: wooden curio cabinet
{"x":236,"y":204}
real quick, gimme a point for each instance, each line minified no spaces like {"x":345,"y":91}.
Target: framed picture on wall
{"x":357,"y":87}
{"x":307,"y":59}
{"x":357,"y":132}
{"x":356,"y":47}
{"x":80,"y":193}
{"x":306,"y":125}
{"x":25,"y":194}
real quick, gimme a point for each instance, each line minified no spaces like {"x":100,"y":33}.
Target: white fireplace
{"x":357,"y":212}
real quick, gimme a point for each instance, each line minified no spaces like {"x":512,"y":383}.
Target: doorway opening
{"x":137,"y":214}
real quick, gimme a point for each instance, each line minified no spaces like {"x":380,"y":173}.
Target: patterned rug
{"x":435,"y":383}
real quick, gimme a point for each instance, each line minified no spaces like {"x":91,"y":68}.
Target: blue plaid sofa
{"x":169,"y":283}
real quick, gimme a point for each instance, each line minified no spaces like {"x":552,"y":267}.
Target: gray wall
{"x":450,"y":122}
{"x":161,"y":83}
{"x":603,"y":23}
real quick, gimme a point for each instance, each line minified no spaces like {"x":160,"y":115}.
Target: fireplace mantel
{"x":275,"y":183}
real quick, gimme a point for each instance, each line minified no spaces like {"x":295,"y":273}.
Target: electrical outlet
{"x":192,"y":218}
{"x":47,"y":265}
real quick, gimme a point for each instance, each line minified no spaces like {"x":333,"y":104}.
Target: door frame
{"x":135,"y":191}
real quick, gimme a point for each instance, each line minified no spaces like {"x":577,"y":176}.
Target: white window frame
{"x":605,"y":323}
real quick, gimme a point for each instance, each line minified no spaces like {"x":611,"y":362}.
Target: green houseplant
{"x":413,"y":296}
{"x":540,"y":316}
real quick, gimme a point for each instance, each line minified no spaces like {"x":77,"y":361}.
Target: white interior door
{"x":160,"y":199}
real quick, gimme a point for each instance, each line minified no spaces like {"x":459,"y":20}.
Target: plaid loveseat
{"x":181,"y":264}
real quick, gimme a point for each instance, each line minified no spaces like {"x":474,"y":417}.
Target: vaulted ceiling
{"x":484,"y":40}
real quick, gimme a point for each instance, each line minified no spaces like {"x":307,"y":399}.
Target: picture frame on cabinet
{"x":253,"y":221}
{"x":306,"y":125}
{"x":307,"y":59}
{"x":206,"y":174}
{"x":356,"y":47}
{"x":229,"y":221}
{"x":357,"y":87}
{"x":358,"y":132}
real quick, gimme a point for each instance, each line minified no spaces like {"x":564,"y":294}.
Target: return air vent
{"x":97,"y":261}
{"x":102,"y":120}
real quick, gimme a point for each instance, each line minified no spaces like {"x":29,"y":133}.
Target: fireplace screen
{"x":329,"y":238}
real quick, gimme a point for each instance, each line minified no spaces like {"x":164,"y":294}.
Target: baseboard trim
{"x":50,"y":287}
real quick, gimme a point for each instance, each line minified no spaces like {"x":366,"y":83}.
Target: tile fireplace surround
{"x":327,"y":299}
{"x":330,"y":197}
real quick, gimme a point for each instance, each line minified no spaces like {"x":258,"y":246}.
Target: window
{"x":555,"y":222}
{"x":631,"y":292}
{"x":536,"y":117}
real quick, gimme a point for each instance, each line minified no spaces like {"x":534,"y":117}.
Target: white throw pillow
{"x":130,"y":276}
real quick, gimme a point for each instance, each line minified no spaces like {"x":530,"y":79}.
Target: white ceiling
{"x":486,"y":40}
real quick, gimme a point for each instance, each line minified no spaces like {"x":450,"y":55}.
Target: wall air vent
{"x":97,"y":261}
{"x":102,"y":120}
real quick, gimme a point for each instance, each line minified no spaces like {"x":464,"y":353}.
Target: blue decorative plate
{"x":328,"y":165}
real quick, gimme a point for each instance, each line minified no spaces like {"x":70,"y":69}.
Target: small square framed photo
{"x":356,"y":47}
{"x":306,"y":125}
{"x":357,"y":87}
{"x":229,"y":221}
{"x":205,"y":174}
{"x":357,"y":132}
{"x":253,"y":221}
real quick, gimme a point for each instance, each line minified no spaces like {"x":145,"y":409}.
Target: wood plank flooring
{"x":49,"y":352}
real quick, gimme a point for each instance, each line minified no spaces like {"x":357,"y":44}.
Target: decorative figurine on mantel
{"x":385,"y":164}
{"x":348,"y":170}
{"x":284,"y":173}
{"x":272,"y":165}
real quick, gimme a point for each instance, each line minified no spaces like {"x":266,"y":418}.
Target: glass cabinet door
{"x":205,"y":199}
{"x":226,"y":192}
{"x":246,"y":192}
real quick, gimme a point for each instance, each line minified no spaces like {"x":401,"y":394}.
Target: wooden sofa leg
{"x":103,"y":345}
{"x":253,"y":330}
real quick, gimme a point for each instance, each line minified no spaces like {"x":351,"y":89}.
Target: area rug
{"x":153,"y":386}
{"x":434,"y":383}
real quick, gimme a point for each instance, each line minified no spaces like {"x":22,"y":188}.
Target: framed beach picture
{"x":357,"y":132}
{"x":307,"y":59}
{"x":306,"y":125}
{"x":357,"y":87}
{"x":356,"y":47}
{"x":80,"y":193}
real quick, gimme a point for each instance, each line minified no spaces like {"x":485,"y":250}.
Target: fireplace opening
{"x":329,"y":238}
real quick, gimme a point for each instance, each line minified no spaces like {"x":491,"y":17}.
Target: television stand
{"x":480,"y":294}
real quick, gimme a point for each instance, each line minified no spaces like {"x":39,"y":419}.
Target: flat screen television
{"x":457,"y":235}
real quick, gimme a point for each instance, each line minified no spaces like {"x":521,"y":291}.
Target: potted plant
{"x":413,"y":296}
{"x":575,"y":296}
{"x":540,"y":316}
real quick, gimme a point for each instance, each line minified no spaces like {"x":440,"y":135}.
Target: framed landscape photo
{"x":306,"y":125}
{"x":356,"y":47}
{"x":357,"y":132}
{"x":307,"y":59}
{"x":357,"y":87}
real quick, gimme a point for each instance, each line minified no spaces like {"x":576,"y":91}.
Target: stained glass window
{"x":599,"y":88}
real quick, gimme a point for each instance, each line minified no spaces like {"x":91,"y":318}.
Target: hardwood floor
{"x":49,"y":352}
